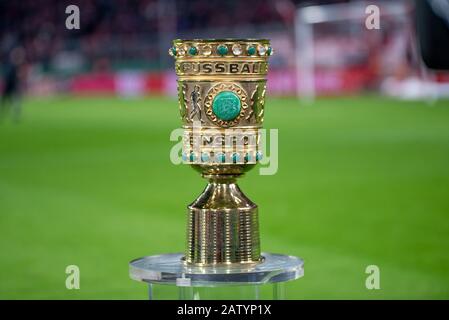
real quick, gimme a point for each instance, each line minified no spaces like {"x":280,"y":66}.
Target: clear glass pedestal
{"x":169,"y":277}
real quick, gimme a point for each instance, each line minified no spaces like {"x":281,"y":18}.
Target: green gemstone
{"x":193,"y":51}
{"x":251,"y":50}
{"x":269,"y":51}
{"x":222,"y":50}
{"x":173,"y":50}
{"x":204,"y":157}
{"x":221,"y":157}
{"x":226,"y":105}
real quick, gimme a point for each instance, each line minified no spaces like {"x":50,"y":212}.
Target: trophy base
{"x":169,"y":276}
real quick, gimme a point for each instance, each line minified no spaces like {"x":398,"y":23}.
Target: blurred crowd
{"x":117,"y":37}
{"x":39,"y":27}
{"x":125,"y":29}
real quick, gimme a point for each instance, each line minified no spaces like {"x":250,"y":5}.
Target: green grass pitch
{"x":361,"y":181}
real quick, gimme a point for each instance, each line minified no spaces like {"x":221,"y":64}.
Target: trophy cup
{"x":221,"y":91}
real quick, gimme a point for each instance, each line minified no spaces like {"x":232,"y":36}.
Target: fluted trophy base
{"x":222,"y":225}
{"x":170,"y":277}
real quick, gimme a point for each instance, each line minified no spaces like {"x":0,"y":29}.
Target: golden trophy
{"x":221,"y":92}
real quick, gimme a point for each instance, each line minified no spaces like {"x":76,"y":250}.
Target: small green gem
{"x":204,"y":157}
{"x":222,"y":49}
{"x":235,"y":157}
{"x":226,"y":105}
{"x":247,"y":157}
{"x":173,"y":50}
{"x":192,"y":157}
{"x":259,"y":155}
{"x":269,"y":51}
{"x":193,"y":51}
{"x":251,"y":50}
{"x":221,"y":157}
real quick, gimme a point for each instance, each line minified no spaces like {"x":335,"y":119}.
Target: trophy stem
{"x":222,"y":225}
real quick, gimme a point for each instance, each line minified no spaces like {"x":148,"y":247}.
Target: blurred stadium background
{"x":85,"y":176}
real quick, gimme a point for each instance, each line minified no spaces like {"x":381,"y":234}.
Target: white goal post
{"x":306,"y":21}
